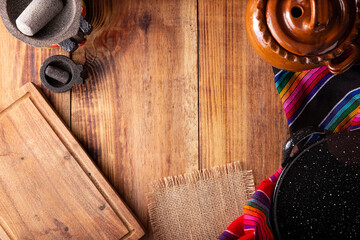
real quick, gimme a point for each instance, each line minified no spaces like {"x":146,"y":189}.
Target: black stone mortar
{"x":76,"y":73}
{"x":317,"y":195}
{"x":65,"y":25}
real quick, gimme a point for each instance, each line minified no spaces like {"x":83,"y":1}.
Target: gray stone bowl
{"x":65,"y":25}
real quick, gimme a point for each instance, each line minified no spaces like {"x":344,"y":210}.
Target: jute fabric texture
{"x":199,"y":205}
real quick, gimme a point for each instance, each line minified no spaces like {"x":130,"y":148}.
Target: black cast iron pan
{"x":317,"y":195}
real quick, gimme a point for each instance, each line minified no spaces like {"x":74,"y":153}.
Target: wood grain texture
{"x":149,"y":96}
{"x":137,"y":115}
{"x":21,"y":64}
{"x":60,"y":193}
{"x":3,"y":234}
{"x":241,"y":117}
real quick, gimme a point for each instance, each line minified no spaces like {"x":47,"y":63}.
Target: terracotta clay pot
{"x":297,"y":35}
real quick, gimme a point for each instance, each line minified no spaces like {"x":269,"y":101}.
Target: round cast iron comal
{"x":317,"y":195}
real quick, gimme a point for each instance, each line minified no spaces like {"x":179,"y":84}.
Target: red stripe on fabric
{"x":249,"y":235}
{"x":355,"y":123}
{"x":304,"y":86}
{"x":248,"y":209}
{"x":267,"y":187}
{"x":350,"y":122}
{"x":256,"y":213}
{"x":305,"y":93}
{"x":250,"y":214}
{"x":346,"y":125}
{"x":357,"y":118}
{"x":256,"y":223}
{"x":308,"y":78}
{"x":294,"y":85}
{"x":237,"y":226}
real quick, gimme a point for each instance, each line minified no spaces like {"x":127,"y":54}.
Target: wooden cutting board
{"x":49,"y":187}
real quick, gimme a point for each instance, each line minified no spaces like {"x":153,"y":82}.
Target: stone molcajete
{"x":297,"y":35}
{"x":43,"y":23}
{"x":59,"y":74}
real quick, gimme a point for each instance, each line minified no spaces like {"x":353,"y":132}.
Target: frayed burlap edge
{"x":193,"y":178}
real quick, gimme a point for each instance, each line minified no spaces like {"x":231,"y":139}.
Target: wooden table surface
{"x":174,"y":87}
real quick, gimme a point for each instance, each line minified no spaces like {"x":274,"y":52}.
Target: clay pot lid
{"x":310,"y":27}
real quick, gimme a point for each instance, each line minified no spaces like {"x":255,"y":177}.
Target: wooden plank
{"x":137,"y":115}
{"x":59,"y":192}
{"x":21,"y":64}
{"x":3,"y":234}
{"x":241,"y":117}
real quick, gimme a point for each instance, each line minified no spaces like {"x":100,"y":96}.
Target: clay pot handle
{"x":337,"y":68}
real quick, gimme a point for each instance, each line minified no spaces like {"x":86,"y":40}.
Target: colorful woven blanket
{"x":314,"y":97}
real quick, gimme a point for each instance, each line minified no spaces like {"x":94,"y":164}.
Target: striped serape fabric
{"x":254,"y":224}
{"x":314,"y":97}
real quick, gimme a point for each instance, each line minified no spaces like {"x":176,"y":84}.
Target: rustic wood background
{"x":174,"y":86}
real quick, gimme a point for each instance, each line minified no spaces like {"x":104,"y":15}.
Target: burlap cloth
{"x":199,"y":205}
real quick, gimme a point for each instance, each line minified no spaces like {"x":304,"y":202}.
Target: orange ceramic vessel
{"x":297,"y":35}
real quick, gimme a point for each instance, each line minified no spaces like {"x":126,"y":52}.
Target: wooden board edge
{"x":5,"y":231}
{"x":136,"y":230}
